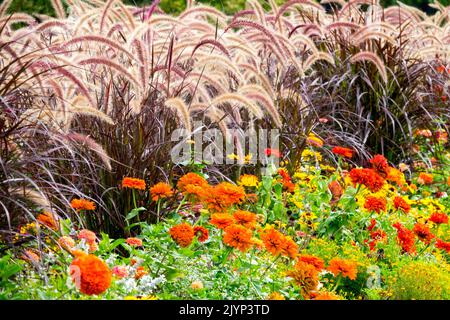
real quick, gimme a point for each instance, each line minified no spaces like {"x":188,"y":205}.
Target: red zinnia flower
{"x":201,"y":233}
{"x":344,"y":152}
{"x":439,"y":218}
{"x":380,"y":165}
{"x":443,"y":245}
{"x":423,"y":233}
{"x":375,"y":204}
{"x":401,"y":204}
{"x":405,"y":238}
{"x":367,"y":177}
{"x":135,"y":242}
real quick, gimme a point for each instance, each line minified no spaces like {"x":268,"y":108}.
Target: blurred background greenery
{"x":175,"y":6}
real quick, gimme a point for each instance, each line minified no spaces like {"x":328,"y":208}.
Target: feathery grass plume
{"x":52,"y":24}
{"x":257,"y":93}
{"x":370,"y":56}
{"x":105,"y":13}
{"x":4,"y":7}
{"x":353,"y":3}
{"x":291,"y":3}
{"x":98,"y":40}
{"x":77,"y":106}
{"x":342,"y":24}
{"x":274,"y":7}
{"x":15,"y":18}
{"x":372,"y":35}
{"x":143,"y":59}
{"x":415,"y":11}
{"x":232,"y":98}
{"x":111,"y":64}
{"x":182,"y":111}
{"x":205,"y":10}
{"x":128,"y":15}
{"x":59,"y":8}
{"x":340,"y":2}
{"x":258,"y":10}
{"x":218,"y":62}
{"x":33,"y":195}
{"x":215,"y":44}
{"x":90,"y":144}
{"x":316,"y":57}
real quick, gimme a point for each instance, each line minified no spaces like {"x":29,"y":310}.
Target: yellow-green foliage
{"x":419,"y":280}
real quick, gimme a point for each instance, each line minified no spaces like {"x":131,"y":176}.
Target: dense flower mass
{"x":405,"y":238}
{"x":439,"y":218}
{"x":48,"y":220}
{"x":183,"y":234}
{"x":221,"y":220}
{"x":375,"y":204}
{"x":367,"y":177}
{"x":201,"y":233}
{"x":380,"y":165}
{"x":305,"y":276}
{"x":425,"y":178}
{"x":401,"y":204}
{"x":346,"y":268}
{"x":160,"y":190}
{"x":423,"y":232}
{"x":82,"y":204}
{"x":273,"y":240}
{"x":134,"y":242}
{"x":317,"y":262}
{"x":238,"y":237}
{"x":90,"y":274}
{"x":224,"y":195}
{"x":245,"y":218}
{"x":133,"y":183}
{"x":191,"y":179}
{"x":344,"y":152}
{"x":248,"y":180}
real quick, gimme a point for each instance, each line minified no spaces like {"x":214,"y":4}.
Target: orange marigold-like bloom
{"x":140,"y":272}
{"x":423,"y":233}
{"x":66,"y":242}
{"x":224,"y":195}
{"x":221,"y":220}
{"x":48,"y":220}
{"x":87,"y":235}
{"x":183,"y":234}
{"x":336,"y":190}
{"x":438,"y":218}
{"x":325,"y":295}
{"x":380,"y":165}
{"x":401,"y":204}
{"x":273,"y":240}
{"x":405,"y":238}
{"x":160,"y":190}
{"x":289,"y":248}
{"x":133,"y":183}
{"x":90,"y":274}
{"x":82,"y":204}
{"x":312,"y":260}
{"x":344,"y":152}
{"x":375,"y":204}
{"x":201,"y":233}
{"x":238,"y":237}
{"x":367,"y":177}
{"x":305,"y":276}
{"x":135,"y":242}
{"x":245,"y":218}
{"x":443,"y":245}
{"x":396,"y":176}
{"x":191,"y":179}
{"x":347,"y":268}
{"x":275,"y":296}
{"x":425,"y":178}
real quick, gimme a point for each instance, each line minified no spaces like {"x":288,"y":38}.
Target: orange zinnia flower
{"x":245,"y":218}
{"x":305,"y":276}
{"x":133,"y":183}
{"x":31,"y":257}
{"x":273,"y":240}
{"x":201,"y":233}
{"x":423,"y":233}
{"x":192,"y":179}
{"x":221,"y":220}
{"x":367,"y":177}
{"x":183,"y":234}
{"x":66,"y":242}
{"x":82,"y":204}
{"x":347,"y":268}
{"x":401,"y":204}
{"x":160,"y":190}
{"x":375,"y":204}
{"x":224,"y":195}
{"x":425,"y":178}
{"x":90,"y":274}
{"x":312,"y":260}
{"x":140,"y":272}
{"x":344,"y":152}
{"x":380,"y":165}
{"x":289,"y":248}
{"x":439,"y":218}
{"x":48,"y":220}
{"x":238,"y":237}
{"x":336,"y":190}
{"x":135,"y":242}
{"x":443,"y":245}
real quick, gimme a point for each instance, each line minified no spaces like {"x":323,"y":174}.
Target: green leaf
{"x":133,"y":213}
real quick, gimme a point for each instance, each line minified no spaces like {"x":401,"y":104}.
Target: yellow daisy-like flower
{"x":248,"y":180}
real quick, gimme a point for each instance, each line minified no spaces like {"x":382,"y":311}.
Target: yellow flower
{"x":233,"y":156}
{"x":140,"y":298}
{"x":248,"y":180}
{"x":197,"y":285}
